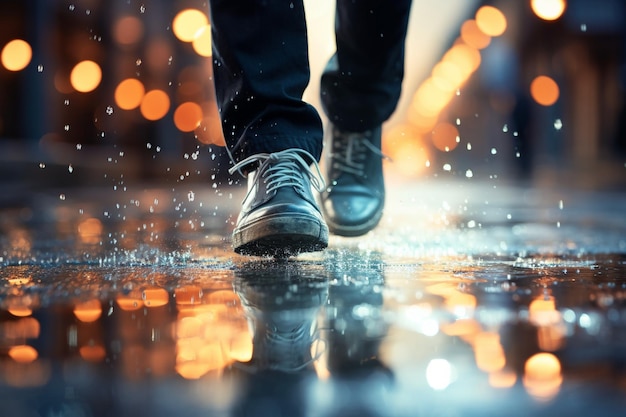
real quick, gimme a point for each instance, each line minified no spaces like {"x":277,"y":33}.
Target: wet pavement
{"x":471,"y":299}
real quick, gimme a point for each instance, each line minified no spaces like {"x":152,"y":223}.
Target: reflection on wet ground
{"x":467,"y":301}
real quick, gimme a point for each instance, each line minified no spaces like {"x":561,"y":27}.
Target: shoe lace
{"x":284,"y":169}
{"x":350,"y":151}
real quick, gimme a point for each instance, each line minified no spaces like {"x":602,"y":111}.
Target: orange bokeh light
{"x":16,"y":55}
{"x":544,"y":90}
{"x":542,"y":376}
{"x":473,"y":36}
{"x":404,"y":145}
{"x":488,"y":352}
{"x":128,"y":30}
{"x":188,"y":116}
{"x":445,"y":136}
{"x":23,"y":354}
{"x":155,"y":297}
{"x":95,"y":353}
{"x":86,"y":76}
{"x":129,"y":93}
{"x":90,"y":230}
{"x":465,"y":57}
{"x":88,"y":311}
{"x":188,"y":23}
{"x":491,"y":21}
{"x":202,"y":42}
{"x":155,"y":104}
{"x":548,"y":9}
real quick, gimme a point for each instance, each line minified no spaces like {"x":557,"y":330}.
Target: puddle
{"x":156,"y":316}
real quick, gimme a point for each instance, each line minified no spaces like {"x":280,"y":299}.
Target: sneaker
{"x":354,"y":200}
{"x":279,"y":215}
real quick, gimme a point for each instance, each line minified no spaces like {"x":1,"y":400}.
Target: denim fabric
{"x":261,"y":68}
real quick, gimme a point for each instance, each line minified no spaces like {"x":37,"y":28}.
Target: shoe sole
{"x":281,"y":236}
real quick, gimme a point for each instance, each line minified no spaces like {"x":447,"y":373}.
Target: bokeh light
{"x":202,"y":42}
{"x":404,"y":145}
{"x":23,"y":354}
{"x":542,"y":376}
{"x":488,"y":352}
{"x":95,"y":353}
{"x":445,"y":136}
{"x":129,"y":93}
{"x":155,"y":105}
{"x":90,"y":230}
{"x":544,"y":90}
{"x":16,"y":55}
{"x":473,"y":36}
{"x":188,"y":116}
{"x":466,"y":58}
{"x":88,"y":311}
{"x":491,"y":21}
{"x":548,"y":9}
{"x":188,"y":23}
{"x":86,"y":76}
{"x":128,"y":30}
{"x":155,"y":297}
{"x":429,"y":99}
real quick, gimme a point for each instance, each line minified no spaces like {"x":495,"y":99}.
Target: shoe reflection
{"x":281,"y":304}
{"x":290,"y":373}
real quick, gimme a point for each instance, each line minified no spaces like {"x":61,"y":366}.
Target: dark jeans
{"x":261,"y":68}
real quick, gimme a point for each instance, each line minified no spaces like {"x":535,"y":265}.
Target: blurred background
{"x":93,"y":91}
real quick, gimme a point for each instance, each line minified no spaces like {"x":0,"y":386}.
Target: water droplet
{"x":87,"y":12}
{"x":70,"y":168}
{"x":67,"y":128}
{"x":469,"y":173}
{"x":505,"y":128}
{"x":469,"y":146}
{"x":62,"y":197}
{"x":142,"y":8}
{"x":558,"y":124}
{"x":66,"y":102}
{"x":79,"y":146}
{"x":72,"y":7}
{"x":583,"y":27}
{"x":109,"y":110}
{"x":42,"y":165}
{"x":560,"y":204}
{"x":138,"y":62}
{"x":191,"y":196}
{"x":494,"y":151}
{"x":447,"y":167}
{"x":39,"y":68}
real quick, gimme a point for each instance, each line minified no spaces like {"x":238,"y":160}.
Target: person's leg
{"x":360,"y":89}
{"x":361,"y":84}
{"x":261,"y":69}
